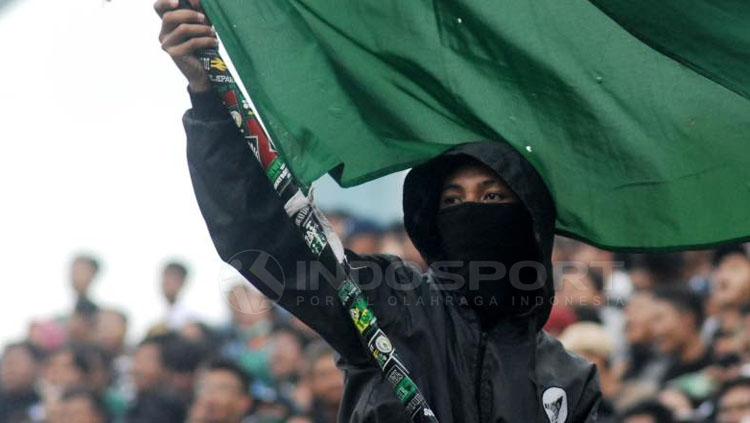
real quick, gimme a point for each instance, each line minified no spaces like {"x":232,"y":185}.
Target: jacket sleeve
{"x":586,"y":411}
{"x":250,"y":229}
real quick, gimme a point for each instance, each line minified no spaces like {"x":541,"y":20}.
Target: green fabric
{"x":712,"y":37}
{"x":636,"y":114}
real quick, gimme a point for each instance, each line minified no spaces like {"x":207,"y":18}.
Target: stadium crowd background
{"x":669,"y":333}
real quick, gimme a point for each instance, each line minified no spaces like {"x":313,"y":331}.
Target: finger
{"x":175,"y":18}
{"x":185,"y":32}
{"x":191,"y":46}
{"x":197,"y":6}
{"x":163,"y":6}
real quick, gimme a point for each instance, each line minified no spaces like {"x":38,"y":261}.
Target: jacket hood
{"x":422,"y":194}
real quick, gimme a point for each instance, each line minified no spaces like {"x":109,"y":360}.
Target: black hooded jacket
{"x":513,"y":372}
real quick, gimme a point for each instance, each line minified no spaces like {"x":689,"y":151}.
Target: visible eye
{"x":493,"y":197}
{"x":450,"y":201}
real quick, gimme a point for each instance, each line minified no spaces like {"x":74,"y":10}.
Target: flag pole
{"x":313,"y":227}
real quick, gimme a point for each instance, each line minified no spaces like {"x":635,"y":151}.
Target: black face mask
{"x":484,"y":244}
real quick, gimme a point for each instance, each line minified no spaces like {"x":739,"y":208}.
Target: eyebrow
{"x":489,"y":182}
{"x":453,"y":186}
{"x":484,"y":184}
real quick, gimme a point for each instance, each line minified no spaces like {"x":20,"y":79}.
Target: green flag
{"x":636,"y":113}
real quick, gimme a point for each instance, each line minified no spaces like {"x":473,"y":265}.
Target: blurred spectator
{"x":564,"y":249}
{"x":582,"y":290}
{"x":100,"y":379}
{"x":648,"y":412}
{"x":642,"y":366}
{"x":148,"y":369}
{"x":72,"y":367}
{"x":340,"y":222}
{"x":248,"y":334}
{"x":111,"y":327}
{"x":559,"y":319}
{"x":153,"y":402}
{"x":181,"y":360}
{"x":648,"y":271}
{"x":19,"y":369}
{"x":396,"y":242}
{"x":173,"y":279}
{"x":697,"y":271}
{"x":679,"y":405}
{"x":731,"y":287}
{"x":615,"y":282}
{"x":733,"y":402}
{"x":679,"y":316}
{"x":198,"y":332}
{"x":67,"y":368}
{"x":326,"y":382}
{"x":271,"y":410}
{"x":82,"y":323}
{"x":286,"y":362}
{"x":392,"y":241}
{"x":47,"y":335}
{"x":110,"y":341}
{"x":83,"y":271}
{"x":592,"y":342}
{"x":222,"y":394}
{"x":80,"y":405}
{"x":364,"y":237}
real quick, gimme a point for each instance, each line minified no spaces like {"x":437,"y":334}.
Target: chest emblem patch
{"x":555,"y":403}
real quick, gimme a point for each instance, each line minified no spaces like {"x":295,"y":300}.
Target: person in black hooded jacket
{"x":469,"y":330}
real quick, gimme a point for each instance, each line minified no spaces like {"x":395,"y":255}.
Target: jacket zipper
{"x":478,"y":377}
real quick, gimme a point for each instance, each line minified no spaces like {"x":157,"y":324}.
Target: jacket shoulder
{"x":391,"y":271}
{"x":551,"y":350}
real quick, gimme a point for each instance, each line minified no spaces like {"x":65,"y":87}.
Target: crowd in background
{"x":669,"y":333}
